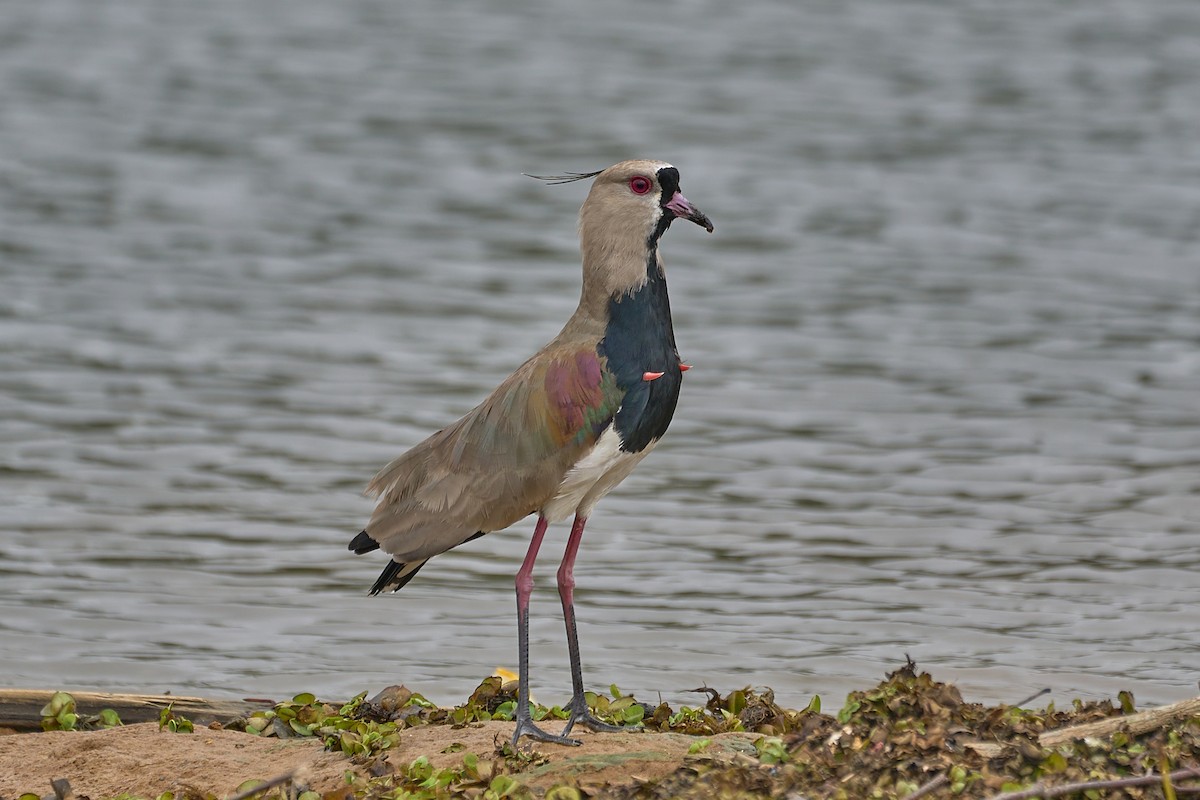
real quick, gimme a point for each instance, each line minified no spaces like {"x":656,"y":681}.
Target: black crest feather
{"x":567,"y":177}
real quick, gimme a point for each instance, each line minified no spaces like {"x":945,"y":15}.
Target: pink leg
{"x":525,"y":726}
{"x":566,"y":592}
{"x":525,"y":573}
{"x":566,"y":570}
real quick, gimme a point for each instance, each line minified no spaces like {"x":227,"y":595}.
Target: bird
{"x":562,"y":430}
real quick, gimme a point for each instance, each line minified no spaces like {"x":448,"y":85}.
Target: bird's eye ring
{"x":639,"y":184}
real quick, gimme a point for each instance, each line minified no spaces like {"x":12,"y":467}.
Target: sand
{"x":144,"y":761}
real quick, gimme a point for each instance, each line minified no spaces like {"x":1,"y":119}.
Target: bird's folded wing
{"x":504,"y":459}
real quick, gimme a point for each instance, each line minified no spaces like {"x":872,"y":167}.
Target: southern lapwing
{"x":565,"y":428}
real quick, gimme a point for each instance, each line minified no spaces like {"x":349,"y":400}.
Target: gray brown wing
{"x":500,"y":462}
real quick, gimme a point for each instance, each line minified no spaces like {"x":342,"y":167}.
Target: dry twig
{"x":1041,"y":790}
{"x":928,"y":786}
{"x":278,"y":780}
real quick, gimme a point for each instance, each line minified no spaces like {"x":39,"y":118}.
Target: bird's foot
{"x":525,"y":727}
{"x":580,"y":713}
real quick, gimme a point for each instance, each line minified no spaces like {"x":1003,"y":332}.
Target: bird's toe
{"x":526,"y":728}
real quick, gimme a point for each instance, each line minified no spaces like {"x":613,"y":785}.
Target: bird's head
{"x":637,"y":195}
{"x":630,"y":206}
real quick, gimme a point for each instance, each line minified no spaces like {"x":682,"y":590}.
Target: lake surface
{"x":946,"y":337}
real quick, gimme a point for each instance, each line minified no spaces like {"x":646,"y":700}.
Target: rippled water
{"x":947,"y":339}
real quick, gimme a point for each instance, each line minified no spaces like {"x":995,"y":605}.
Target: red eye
{"x":639,"y":184}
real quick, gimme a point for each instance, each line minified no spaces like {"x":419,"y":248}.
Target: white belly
{"x":593,"y":476}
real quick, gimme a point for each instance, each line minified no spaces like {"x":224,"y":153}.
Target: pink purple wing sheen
{"x":581,"y":398}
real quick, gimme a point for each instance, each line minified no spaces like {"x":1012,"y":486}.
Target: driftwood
{"x":21,"y":709}
{"x":1043,"y":791}
{"x":1133,"y":724}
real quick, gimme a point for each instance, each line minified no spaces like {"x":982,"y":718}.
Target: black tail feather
{"x":388,"y":580}
{"x":362,"y":543}
{"x":391,"y":577}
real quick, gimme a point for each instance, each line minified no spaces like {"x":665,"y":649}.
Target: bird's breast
{"x":594,"y":475}
{"x":639,"y":348}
